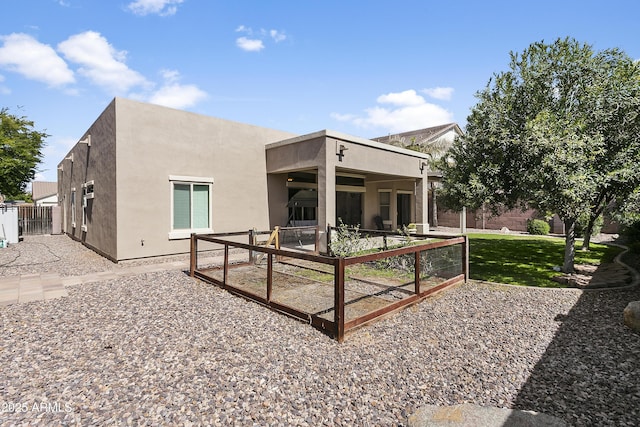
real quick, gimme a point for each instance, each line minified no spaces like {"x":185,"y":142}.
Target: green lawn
{"x":526,"y":260}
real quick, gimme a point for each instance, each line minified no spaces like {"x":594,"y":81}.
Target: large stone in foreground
{"x":632,"y":315}
{"x":467,"y":415}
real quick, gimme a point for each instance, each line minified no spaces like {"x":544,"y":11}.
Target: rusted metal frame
{"x":381,"y":312}
{"x":445,"y":284}
{"x":324,"y":325}
{"x":290,"y":311}
{"x":202,"y":276}
{"x":465,"y":258}
{"x":338,"y":295}
{"x":220,"y":267}
{"x":292,"y":254}
{"x":386,"y":288}
{"x":225,"y":273}
{"x":269,"y":276}
{"x":400,"y":304}
{"x":416,"y":271}
{"x":193,"y":256}
{"x":301,"y":227}
{"x":402,"y":251}
{"x":252,"y":241}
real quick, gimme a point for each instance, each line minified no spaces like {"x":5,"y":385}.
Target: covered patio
{"x":327,"y":178}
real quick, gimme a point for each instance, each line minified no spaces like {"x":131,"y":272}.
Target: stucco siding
{"x":95,"y":162}
{"x":155,"y":143}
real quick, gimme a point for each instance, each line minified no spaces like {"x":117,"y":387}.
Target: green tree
{"x":20,"y":152}
{"x":556,"y":132}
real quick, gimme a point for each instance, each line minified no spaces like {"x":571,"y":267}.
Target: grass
{"x":526,"y":260}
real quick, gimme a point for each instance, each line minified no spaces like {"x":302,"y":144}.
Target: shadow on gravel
{"x":590,"y":373}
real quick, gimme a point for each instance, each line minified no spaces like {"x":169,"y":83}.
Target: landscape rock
{"x":632,"y":315}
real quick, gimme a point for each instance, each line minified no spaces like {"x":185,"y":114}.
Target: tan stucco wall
{"x":278,"y":199}
{"x":98,"y":163}
{"x":156,"y":142}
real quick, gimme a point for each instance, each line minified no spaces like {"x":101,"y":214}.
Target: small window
{"x":87,"y":189}
{"x":190,"y":206}
{"x":73,"y":208}
{"x":385,"y":204}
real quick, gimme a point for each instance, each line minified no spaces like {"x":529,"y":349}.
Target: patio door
{"x":404,"y":209}
{"x":348,"y":208}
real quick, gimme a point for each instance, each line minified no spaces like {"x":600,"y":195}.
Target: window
{"x":385,"y":204}
{"x":88,"y":189}
{"x":190,"y":206}
{"x":87,"y":196}
{"x":73,"y":208}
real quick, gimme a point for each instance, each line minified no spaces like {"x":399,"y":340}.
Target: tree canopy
{"x":558,"y":132}
{"x":20,"y":152}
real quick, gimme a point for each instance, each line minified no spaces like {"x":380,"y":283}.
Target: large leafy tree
{"x":559,"y":132}
{"x":20,"y":152}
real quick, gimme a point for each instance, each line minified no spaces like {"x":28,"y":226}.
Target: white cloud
{"x":277,"y":36}
{"x":3,"y":89}
{"x":254,"y":42}
{"x":25,"y":55}
{"x":175,"y":95}
{"x":409,"y":111}
{"x":408,"y":97}
{"x":442,"y":93}
{"x":249,"y":45}
{"x":159,"y":7}
{"x":100,"y":62}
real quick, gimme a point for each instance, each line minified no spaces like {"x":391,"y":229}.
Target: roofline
{"x":348,"y":138}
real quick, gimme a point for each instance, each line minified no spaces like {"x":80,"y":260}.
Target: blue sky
{"x":366,"y":68}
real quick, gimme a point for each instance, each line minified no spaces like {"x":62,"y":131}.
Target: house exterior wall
{"x":277,"y":200}
{"x":98,"y":163}
{"x":155,"y":143}
{"x":135,"y":148}
{"x":47,"y":201}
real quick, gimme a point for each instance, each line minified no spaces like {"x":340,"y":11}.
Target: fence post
{"x":317,"y":246}
{"x":328,"y":239}
{"x":193,"y":260}
{"x":338,"y":309}
{"x":225,"y":268}
{"x":252,"y":241}
{"x":269,"y":275}
{"x":416,"y":266}
{"x":465,"y":258}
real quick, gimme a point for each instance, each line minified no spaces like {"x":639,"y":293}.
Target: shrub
{"x":347,"y":242}
{"x":538,"y":226}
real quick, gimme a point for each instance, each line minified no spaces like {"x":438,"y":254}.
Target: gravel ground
{"x":164,"y":349}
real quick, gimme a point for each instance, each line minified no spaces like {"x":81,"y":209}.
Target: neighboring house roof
{"x":420,"y":136}
{"x":43,"y":189}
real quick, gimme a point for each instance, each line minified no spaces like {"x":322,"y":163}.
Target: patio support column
{"x":326,"y":198}
{"x":422,"y":204}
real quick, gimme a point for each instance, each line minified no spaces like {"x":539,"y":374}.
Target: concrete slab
{"x":468,"y":415}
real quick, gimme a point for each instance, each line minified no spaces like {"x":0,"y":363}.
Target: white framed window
{"x":73,"y":208}
{"x":384,"y":198}
{"x":87,"y":189}
{"x":87,"y":195}
{"x":190,"y":206}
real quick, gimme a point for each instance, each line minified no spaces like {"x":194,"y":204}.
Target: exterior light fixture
{"x":341,"y":150}
{"x":422,"y":166}
{"x":87,"y":141}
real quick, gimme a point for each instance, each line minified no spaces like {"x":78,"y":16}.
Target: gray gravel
{"x":164,"y":349}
